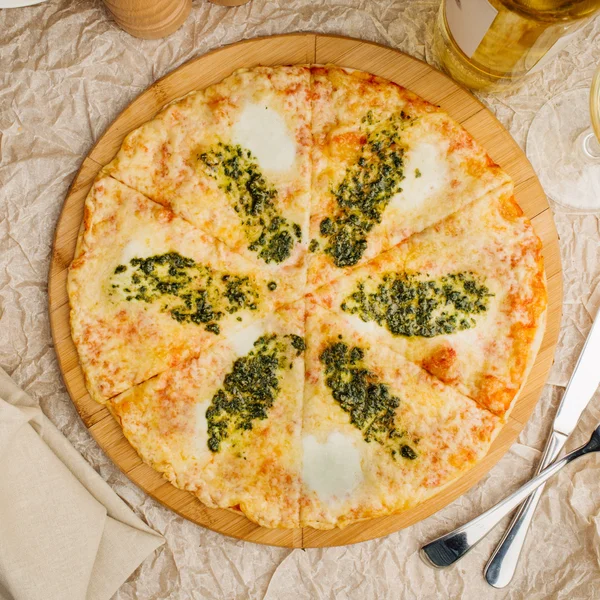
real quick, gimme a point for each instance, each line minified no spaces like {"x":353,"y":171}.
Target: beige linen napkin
{"x":64,"y":534}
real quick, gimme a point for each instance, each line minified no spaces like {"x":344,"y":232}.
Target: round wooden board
{"x":281,"y":50}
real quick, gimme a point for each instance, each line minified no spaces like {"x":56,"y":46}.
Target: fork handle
{"x":502,"y":565}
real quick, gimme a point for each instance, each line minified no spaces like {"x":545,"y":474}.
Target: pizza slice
{"x":380,"y":434}
{"x":233,"y":160}
{"x":148,"y":290}
{"x":226,"y":425}
{"x":386,"y":164}
{"x":465,"y":299}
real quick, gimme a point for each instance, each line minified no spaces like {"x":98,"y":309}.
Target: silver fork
{"x":447,"y":549}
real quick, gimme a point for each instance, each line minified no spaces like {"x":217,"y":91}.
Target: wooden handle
{"x":149,"y":20}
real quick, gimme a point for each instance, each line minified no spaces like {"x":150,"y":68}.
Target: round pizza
{"x":307,"y":294}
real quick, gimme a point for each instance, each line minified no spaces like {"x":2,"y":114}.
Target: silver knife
{"x":447,"y":549}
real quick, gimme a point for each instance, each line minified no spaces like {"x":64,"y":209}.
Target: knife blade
{"x":583,"y":383}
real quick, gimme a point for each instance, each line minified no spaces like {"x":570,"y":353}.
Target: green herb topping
{"x":238,"y":174}
{"x":189,"y":292}
{"x":249,"y":389}
{"x":313,"y":246}
{"x":369,"y":403}
{"x":366,"y":190}
{"x":297,"y":343}
{"x":409,"y":304}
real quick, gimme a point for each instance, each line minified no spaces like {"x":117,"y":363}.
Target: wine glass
{"x":564,"y":148}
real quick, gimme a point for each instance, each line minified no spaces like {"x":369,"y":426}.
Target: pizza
{"x":306,"y":294}
{"x":242,"y":146}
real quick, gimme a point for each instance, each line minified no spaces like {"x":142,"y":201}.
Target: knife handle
{"x":502,"y":565}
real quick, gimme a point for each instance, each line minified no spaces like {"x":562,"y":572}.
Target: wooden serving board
{"x":281,"y":50}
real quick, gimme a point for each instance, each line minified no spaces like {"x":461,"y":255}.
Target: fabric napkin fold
{"x":64,"y":534}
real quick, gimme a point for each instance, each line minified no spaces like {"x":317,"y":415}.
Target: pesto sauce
{"x":189,"y":292}
{"x":238,"y":174}
{"x":410,"y":304}
{"x":366,"y":190}
{"x":249,"y":389}
{"x":369,"y":403}
{"x":298,"y":343}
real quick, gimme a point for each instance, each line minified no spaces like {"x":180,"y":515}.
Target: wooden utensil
{"x":149,"y":20}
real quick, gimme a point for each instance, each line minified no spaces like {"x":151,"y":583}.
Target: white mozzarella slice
{"x":426,"y":171}
{"x":264,"y":132}
{"x":243,"y":340}
{"x":368,"y":327}
{"x":332,"y":469}
{"x":471,"y":341}
{"x":136,"y":248}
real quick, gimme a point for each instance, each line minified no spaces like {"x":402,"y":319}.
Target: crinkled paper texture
{"x":66,"y":71}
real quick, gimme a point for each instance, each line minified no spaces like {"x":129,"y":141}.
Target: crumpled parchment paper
{"x":66,"y":71}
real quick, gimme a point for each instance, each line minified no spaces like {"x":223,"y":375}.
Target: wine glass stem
{"x":590,"y":145}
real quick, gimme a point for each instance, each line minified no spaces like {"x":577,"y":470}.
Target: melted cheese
{"x":136,"y":248}
{"x":364,"y":327}
{"x":264,"y":132}
{"x":201,"y":426}
{"x":429,"y":160}
{"x":332,"y":469}
{"x":243,"y":341}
